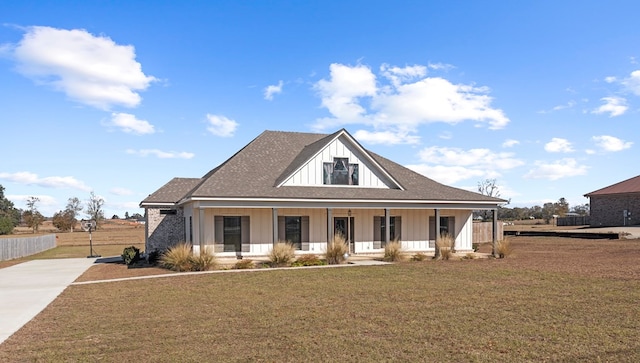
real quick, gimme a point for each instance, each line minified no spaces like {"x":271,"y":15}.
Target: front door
{"x":344,"y":226}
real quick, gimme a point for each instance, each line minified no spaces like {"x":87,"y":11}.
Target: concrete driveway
{"x":27,"y":288}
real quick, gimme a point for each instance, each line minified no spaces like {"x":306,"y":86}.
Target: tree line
{"x":547,"y":211}
{"x":64,"y":220}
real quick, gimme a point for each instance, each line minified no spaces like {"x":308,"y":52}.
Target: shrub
{"x":446,"y":245}
{"x":282,"y":254}
{"x":308,"y":260}
{"x":503,"y":248}
{"x":393,"y":251}
{"x":475,"y":246}
{"x":177,"y":258}
{"x":203,"y":262}
{"x":336,"y":250}
{"x":419,"y":256}
{"x":6,"y":225}
{"x":130,"y":255}
{"x":244,"y":264}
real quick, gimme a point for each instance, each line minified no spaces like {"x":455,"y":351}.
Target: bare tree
{"x":490,"y":188}
{"x":94,"y":208}
{"x":32,"y":216}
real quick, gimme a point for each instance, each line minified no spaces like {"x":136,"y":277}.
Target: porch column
{"x":199,"y":225}
{"x":329,"y":225}
{"x":437,"y":231}
{"x":274,"y":220}
{"x":494,"y":234}
{"x":387,"y":226}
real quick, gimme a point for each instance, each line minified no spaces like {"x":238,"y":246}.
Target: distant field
{"x":109,"y":240}
{"x":554,"y":300}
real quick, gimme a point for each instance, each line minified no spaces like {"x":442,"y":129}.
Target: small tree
{"x":9,"y":215}
{"x":74,"y":206}
{"x":64,"y":220}
{"x":32,"y":216}
{"x":94,"y":208}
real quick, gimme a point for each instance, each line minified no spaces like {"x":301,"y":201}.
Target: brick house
{"x":304,"y":188}
{"x":616,"y":205}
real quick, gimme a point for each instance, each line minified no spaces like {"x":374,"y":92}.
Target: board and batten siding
{"x":311,"y":173}
{"x":414,"y":228}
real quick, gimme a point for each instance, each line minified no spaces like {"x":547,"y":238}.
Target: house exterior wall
{"x":608,"y":210}
{"x":414,"y":228}
{"x":311,"y":173}
{"x":163,"y":230}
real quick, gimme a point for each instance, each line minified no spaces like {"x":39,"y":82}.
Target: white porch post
{"x":274,"y":220}
{"x":494,"y":234}
{"x":437,"y":232}
{"x":387,"y":226}
{"x":329,"y":225}
{"x":201,"y":228}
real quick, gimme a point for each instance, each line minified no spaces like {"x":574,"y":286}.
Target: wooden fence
{"x":11,"y":248}
{"x":483,"y":232}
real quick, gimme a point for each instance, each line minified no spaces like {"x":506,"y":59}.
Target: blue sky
{"x":119,"y":97}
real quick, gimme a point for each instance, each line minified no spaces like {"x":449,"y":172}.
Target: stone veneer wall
{"x":164,"y":230}
{"x":607,"y":210}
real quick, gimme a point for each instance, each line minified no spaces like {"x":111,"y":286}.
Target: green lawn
{"x":449,"y":311}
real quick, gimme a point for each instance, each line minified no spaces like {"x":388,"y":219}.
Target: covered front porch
{"x":245,"y":231}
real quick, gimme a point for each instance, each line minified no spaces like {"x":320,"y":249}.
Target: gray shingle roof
{"x":173,"y":191}
{"x":256,"y":170}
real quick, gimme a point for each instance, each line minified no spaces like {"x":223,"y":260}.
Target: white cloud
{"x":271,"y":90}
{"x":569,"y":104}
{"x":614,"y":106}
{"x":449,"y":165}
{"x":44,"y":203}
{"x":221,"y":126}
{"x":130,"y":124}
{"x":510,"y":143}
{"x":558,"y":145}
{"x":559,"y":169}
{"x":610,"y":79}
{"x":120,"y":191}
{"x":611,"y":143}
{"x":89,"y":69}
{"x":399,"y":75}
{"x":59,"y":182}
{"x":161,"y":154}
{"x":448,"y":174}
{"x":340,"y":94}
{"x":354,"y":95}
{"x":386,"y":137}
{"x":440,"y":66}
{"x":632,"y":83}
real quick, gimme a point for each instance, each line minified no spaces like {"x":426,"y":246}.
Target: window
{"x":380,"y":230}
{"x":293,"y":231}
{"x":392,"y":228}
{"x":232,"y":234}
{"x":340,"y":172}
{"x":447,"y":226}
{"x":168,"y":211}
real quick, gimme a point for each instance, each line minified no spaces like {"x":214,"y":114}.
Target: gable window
{"x":340,"y":172}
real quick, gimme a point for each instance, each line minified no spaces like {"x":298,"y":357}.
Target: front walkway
{"x":27,"y":288}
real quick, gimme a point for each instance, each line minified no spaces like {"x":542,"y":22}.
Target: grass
{"x":503,"y":248}
{"x":282,"y":254}
{"x":555,"y":300}
{"x":393,"y":251}
{"x":336,"y":250}
{"x":446,"y":245}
